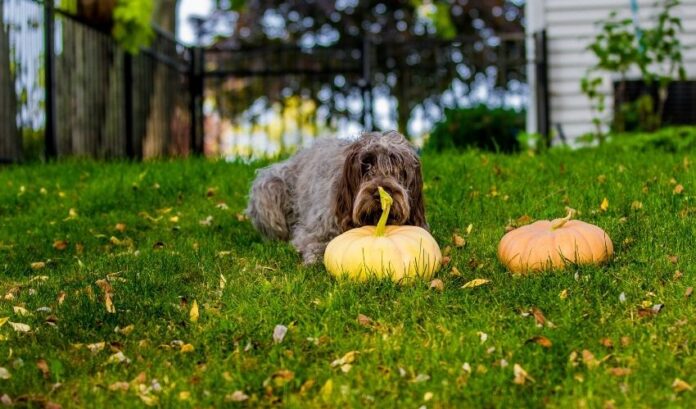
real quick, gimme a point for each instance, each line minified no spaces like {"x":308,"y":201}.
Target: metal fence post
{"x":51,"y":143}
{"x":367,"y":84}
{"x":196,"y":85}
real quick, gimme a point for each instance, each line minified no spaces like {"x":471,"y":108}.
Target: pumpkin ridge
{"x":579,"y":232}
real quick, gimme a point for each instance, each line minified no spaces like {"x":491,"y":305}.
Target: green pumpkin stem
{"x":386,"y":201}
{"x":558,"y":223}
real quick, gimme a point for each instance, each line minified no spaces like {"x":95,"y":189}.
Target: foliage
{"x":656,"y":52}
{"x":142,"y":232}
{"x":482,"y":127}
{"x":133,"y":24}
{"x":673,"y":139}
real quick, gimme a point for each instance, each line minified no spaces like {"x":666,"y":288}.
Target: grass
{"x":420,"y":343}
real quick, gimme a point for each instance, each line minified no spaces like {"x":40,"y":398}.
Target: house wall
{"x":570,"y":26}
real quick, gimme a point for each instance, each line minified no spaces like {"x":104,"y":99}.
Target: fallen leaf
{"x":688,"y":292}
{"x":327,"y":390}
{"x":636,"y":205}
{"x":60,"y":245}
{"x":125,"y":330}
{"x":309,"y":383}
{"x":541,"y":341}
{"x":42,"y":366}
{"x":149,"y":400}
{"x":673,"y":259}
{"x":118,"y":358}
{"x":18,"y":327}
{"x":223,"y":282}
{"x":364,"y":320}
{"x":622,"y":297}
{"x":458,"y":240}
{"x":437,"y":284}
{"x":184,"y":395}
{"x":4,"y":373}
{"x":620,"y":371}
{"x":589,"y":359}
{"x":174,"y":219}
{"x":563,"y":294}
{"x":469,"y":228}
{"x":119,"y":386}
{"x":538,"y":316}
{"x":521,"y":376}
{"x":279,"y":333}
{"x":421,"y":377}
{"x":241,"y":217}
{"x":21,"y":311}
{"x":445,"y":260}
{"x":120,"y":227}
{"x":476,"y":282}
{"x":607,"y":342}
{"x":605,"y":205}
{"x":348,"y":358}
{"x":96,"y":347}
{"x":681,"y":386}
{"x":678,"y":189}
{"x":207,"y":221}
{"x":625,"y":341}
{"x":193,"y":313}
{"x":108,"y":292}
{"x":187,"y":348}
{"x":38,"y":265}
{"x":237,"y":396}
{"x":281,"y":377}
{"x":427,"y":396}
{"x":483,"y":337}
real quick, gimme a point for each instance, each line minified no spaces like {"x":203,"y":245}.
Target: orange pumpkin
{"x":553,"y":244}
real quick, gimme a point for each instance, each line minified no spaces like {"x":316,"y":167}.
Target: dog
{"x":332,"y":186}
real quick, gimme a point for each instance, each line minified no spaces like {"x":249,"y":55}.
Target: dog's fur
{"x":331,"y":187}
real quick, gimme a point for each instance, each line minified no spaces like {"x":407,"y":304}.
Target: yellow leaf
{"x":223,"y":282}
{"x":193,"y":314}
{"x":346,"y":359}
{"x":184,"y":395}
{"x":521,"y":376}
{"x":564,"y":294}
{"x":680,"y":386}
{"x":125,"y":330}
{"x":19,"y":327}
{"x":187,"y":348}
{"x":237,"y":396}
{"x":678,"y":189}
{"x":20,"y":311}
{"x":109,"y":304}
{"x":458,"y":240}
{"x":119,"y":386}
{"x":4,"y":320}
{"x":96,"y":347}
{"x":327,"y":390}
{"x":605,"y":205}
{"x":469,"y":228}
{"x":476,"y":282}
{"x":149,"y":400}
{"x":38,"y":265}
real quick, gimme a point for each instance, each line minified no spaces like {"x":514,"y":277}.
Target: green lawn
{"x":420,"y":346}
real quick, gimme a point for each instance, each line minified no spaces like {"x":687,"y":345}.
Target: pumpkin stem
{"x":558,"y":223}
{"x":386,"y":201}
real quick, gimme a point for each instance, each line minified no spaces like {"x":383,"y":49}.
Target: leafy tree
{"x":410,"y":59}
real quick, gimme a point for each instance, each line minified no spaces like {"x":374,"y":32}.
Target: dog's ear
{"x":417,"y":204}
{"x":347,"y":188}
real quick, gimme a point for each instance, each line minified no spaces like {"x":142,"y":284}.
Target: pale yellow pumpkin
{"x":552,"y":244}
{"x":401,"y":253}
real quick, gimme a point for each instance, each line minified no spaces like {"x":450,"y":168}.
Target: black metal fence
{"x":68,"y":89}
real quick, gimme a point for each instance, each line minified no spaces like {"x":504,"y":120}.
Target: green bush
{"x":673,"y":139}
{"x":493,"y":129}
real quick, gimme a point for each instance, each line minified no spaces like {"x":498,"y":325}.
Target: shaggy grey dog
{"x":331,"y":187}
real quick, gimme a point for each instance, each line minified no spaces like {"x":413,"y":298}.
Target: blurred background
{"x":255,"y":78}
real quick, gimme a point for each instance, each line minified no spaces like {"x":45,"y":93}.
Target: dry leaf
{"x":187,"y":348}
{"x":38,"y":265}
{"x":96,"y":347}
{"x":625,"y":341}
{"x":348,"y":358}
{"x":207,"y":221}
{"x":21,"y":311}
{"x":184,"y":395}
{"x":327,"y":390}
{"x":541,"y":341}
{"x":61,"y":297}
{"x":688,"y":292}
{"x":42,"y":366}
{"x":60,"y":245}
{"x":309,"y":383}
{"x":237,"y":396}
{"x":681,"y":386}
{"x":279,"y":333}
{"x":421,"y":377}
{"x":482,"y":336}
{"x":469,"y":228}
{"x":445,"y":260}
{"x":437,"y":284}
{"x":589,"y":359}
{"x":521,"y":376}
{"x":119,"y":386}
{"x":18,"y":327}
{"x":4,"y":373}
{"x":620,"y":371}
{"x":193,"y":314}
{"x":673,"y":259}
{"x":458,"y":240}
{"x":428,"y":396}
{"x":125,"y":330}
{"x":455,"y":272}
{"x":108,"y":292}
{"x":476,"y":282}
{"x":538,"y":316}
{"x":607,"y":342}
{"x":120,"y":227}
{"x":364,"y":320}
{"x":118,"y":358}
{"x":678,"y":189}
{"x":223,"y":282}
{"x":636,"y":205}
{"x":605,"y":205}
{"x":563,"y":294}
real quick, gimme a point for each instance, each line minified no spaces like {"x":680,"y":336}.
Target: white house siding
{"x":570,"y":27}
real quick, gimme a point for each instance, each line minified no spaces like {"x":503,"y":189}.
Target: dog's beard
{"x":367,"y":207}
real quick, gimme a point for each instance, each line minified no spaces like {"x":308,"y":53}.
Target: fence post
{"x":542,"y":85}
{"x":128,"y":85}
{"x":51,"y":143}
{"x":196,"y":79}
{"x":367,"y":84}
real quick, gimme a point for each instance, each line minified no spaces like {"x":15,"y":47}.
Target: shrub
{"x":493,"y":129}
{"x":674,"y":139}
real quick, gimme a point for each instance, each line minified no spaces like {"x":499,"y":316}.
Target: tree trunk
{"x":157,"y":141}
{"x":10,"y":140}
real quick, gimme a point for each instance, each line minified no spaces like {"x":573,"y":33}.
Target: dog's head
{"x":380,"y":159}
